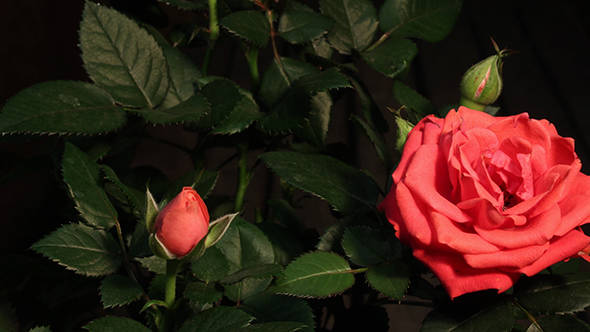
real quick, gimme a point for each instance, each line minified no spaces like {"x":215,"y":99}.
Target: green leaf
{"x":117,"y":290}
{"x":273,"y":327}
{"x":257,"y":271}
{"x":298,"y":27}
{"x":287,"y":215}
{"x":248,"y":24}
{"x":113,"y":323}
{"x":134,"y":198}
{"x":406,"y":96}
{"x":122,"y":57}
{"x":244,"y":245}
{"x":392,"y":279}
{"x":559,"y":324}
{"x":210,"y":267}
{"x":86,"y":250}
{"x":393,"y":57}
{"x":554,"y":293}
{"x":202,"y":293}
{"x":83,"y":177}
{"x":341,"y":185}
{"x":275,"y":308}
{"x":377,"y":140}
{"x":496,"y":318}
{"x":61,"y":107}
{"x":139,"y":242}
{"x":316,"y":274}
{"x":314,"y":128}
{"x":275,"y":85}
{"x":223,"y":97}
{"x":187,"y":4}
{"x":286,"y":245}
{"x":356,"y":24}
{"x":243,"y":115}
{"x":183,"y":73}
{"x":203,"y":181}
{"x":365,"y":246}
{"x":40,"y":329}
{"x":218,"y":319}
{"x":431,"y":20}
{"x":324,"y":81}
{"x":190,"y":110}
{"x":370,"y":109}
{"x":153,"y":264}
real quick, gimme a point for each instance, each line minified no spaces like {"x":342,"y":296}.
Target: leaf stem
{"x":243,"y":176}
{"x":361,"y":270}
{"x":528,"y":314}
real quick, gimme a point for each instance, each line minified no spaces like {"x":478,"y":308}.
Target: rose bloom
{"x":182,"y":223}
{"x":483,"y":199}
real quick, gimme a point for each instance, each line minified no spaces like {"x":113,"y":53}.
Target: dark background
{"x":549,"y":78}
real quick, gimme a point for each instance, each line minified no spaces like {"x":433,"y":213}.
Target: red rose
{"x":182,"y":223}
{"x":483,"y":199}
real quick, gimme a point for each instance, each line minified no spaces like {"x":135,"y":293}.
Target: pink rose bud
{"x":482,"y":84}
{"x":181,"y":224}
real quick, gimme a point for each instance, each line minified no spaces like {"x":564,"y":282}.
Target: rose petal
{"x":522,"y":126}
{"x":390,"y":207}
{"x":537,"y":231}
{"x":559,"y":187}
{"x":424,"y":180}
{"x":414,"y":141}
{"x":514,"y":258}
{"x":457,"y":238}
{"x":418,"y":230}
{"x":575,"y":211}
{"x":560,"y":249}
{"x":459,"y":278}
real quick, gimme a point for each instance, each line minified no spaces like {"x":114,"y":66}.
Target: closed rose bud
{"x":180,"y":225}
{"x":482,"y":84}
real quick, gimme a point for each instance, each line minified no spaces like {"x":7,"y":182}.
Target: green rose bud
{"x":481,"y":85}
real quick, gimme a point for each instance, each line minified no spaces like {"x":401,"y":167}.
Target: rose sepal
{"x":151,"y":211}
{"x":217,"y":228}
{"x":159,"y":249}
{"x":403,"y":129}
{"x":194,"y":254}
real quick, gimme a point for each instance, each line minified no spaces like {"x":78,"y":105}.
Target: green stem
{"x":213,"y":35}
{"x":171,"y":266}
{"x":243,"y":177}
{"x":252,"y":56}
